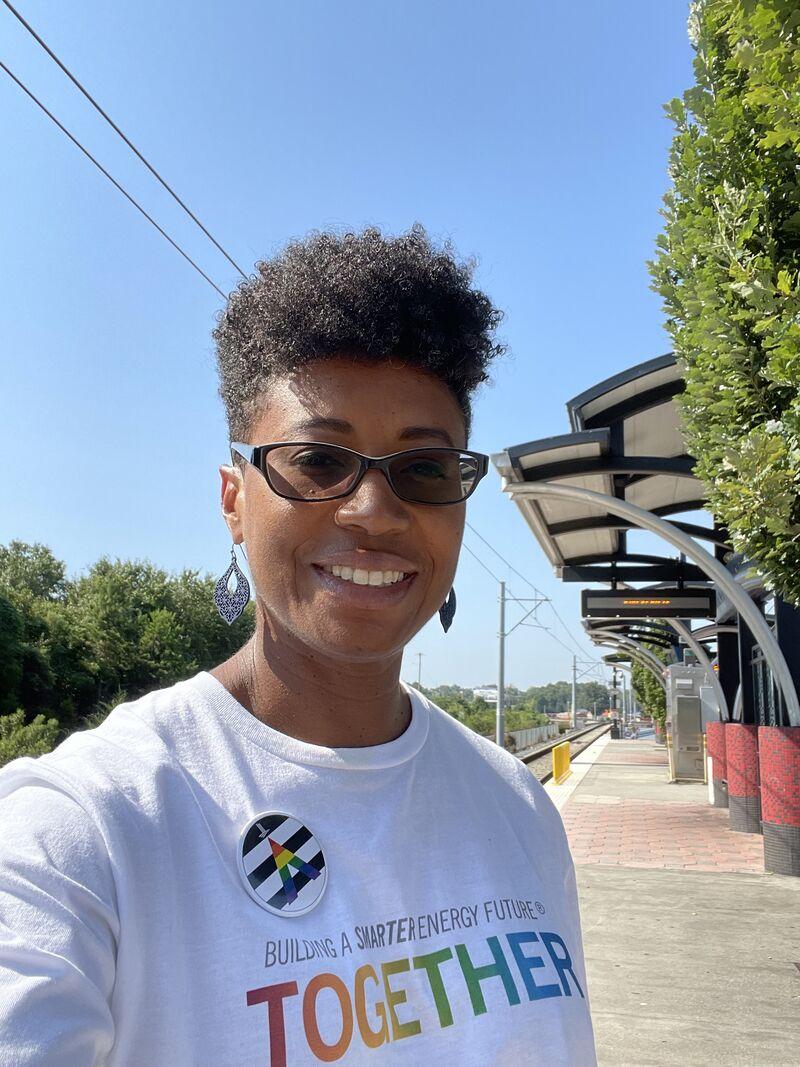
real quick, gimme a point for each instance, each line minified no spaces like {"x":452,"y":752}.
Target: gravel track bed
{"x":542,"y":767}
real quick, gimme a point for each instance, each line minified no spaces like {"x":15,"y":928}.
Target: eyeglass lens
{"x":319,"y":472}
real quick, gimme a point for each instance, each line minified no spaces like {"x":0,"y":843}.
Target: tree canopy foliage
{"x":728,"y":268}
{"x":646,"y":688}
{"x":71,"y":649}
{"x":523,"y":708}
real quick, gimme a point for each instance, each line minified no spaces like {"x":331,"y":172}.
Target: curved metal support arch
{"x":646,"y":658}
{"x":646,"y":520}
{"x":643,"y":634}
{"x":737,"y":705}
{"x":644,"y":663}
{"x":702,"y":657}
{"x":642,"y":622}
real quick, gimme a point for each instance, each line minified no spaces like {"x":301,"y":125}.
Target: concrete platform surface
{"x":692,"y":969}
{"x":692,"y":951}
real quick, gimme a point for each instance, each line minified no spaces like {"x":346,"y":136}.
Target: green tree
{"x":728,"y":268}
{"x":591,"y":693}
{"x":123,"y":627}
{"x":18,"y":738}
{"x":523,"y":717}
{"x":647,"y":689}
{"x":31,"y":572}
{"x":11,"y":655}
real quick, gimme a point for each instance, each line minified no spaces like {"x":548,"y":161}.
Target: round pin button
{"x":282,"y":864}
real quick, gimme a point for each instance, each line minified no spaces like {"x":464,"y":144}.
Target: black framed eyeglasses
{"x":312,"y":470}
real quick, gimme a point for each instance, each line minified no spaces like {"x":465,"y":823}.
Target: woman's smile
{"x":364,"y":588}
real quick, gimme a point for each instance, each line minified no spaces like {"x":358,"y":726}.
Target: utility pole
{"x":624,"y":699}
{"x":500,"y":735}
{"x":501,"y":670}
{"x":419,"y":668}
{"x":574,"y":691}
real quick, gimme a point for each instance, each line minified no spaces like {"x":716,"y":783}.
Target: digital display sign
{"x":648,"y":604}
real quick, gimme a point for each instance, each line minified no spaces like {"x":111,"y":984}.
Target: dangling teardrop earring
{"x":447,"y":611}
{"x":230,"y":605}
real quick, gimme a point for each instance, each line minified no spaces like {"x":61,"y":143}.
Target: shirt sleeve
{"x":58,"y":932}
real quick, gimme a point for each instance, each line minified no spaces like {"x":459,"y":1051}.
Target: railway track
{"x":539,"y":760}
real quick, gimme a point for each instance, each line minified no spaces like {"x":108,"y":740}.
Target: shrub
{"x":18,"y":738}
{"x":728,"y":268}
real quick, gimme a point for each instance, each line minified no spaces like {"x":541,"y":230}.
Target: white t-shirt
{"x":185,"y":886}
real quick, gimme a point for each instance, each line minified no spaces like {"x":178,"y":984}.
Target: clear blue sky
{"x":529,"y":133}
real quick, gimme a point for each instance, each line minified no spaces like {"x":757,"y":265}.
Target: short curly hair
{"x":361,"y":294}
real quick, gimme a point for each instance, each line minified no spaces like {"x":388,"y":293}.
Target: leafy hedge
{"x":647,"y":690}
{"x":18,"y":738}
{"x":728,"y":268}
{"x":71,"y":649}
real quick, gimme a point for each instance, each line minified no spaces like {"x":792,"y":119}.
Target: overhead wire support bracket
{"x":538,"y":601}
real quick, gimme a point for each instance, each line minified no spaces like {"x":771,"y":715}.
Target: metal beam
{"x":715,"y":571}
{"x":642,"y":466}
{"x":637,"y":374}
{"x":650,"y":398}
{"x":613,"y":572}
{"x":610,"y":522}
{"x":640,"y":635}
{"x":639,"y":629}
{"x":659,"y":628}
{"x":702,"y":657}
{"x":649,"y":662}
{"x":640,"y":650}
{"x":626,"y":558}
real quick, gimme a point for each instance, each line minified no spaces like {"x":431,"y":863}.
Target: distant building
{"x":489,"y":694}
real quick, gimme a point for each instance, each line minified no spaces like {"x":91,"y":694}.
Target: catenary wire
{"x":478,"y":558}
{"x":499,"y":556}
{"x":491,"y":573}
{"x":113,"y":181}
{"x":118,"y":131}
{"x":566,"y":628}
{"x":533,"y":587}
{"x":511,"y":596}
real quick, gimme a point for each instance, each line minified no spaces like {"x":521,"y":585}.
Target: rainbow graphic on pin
{"x":284,"y":858}
{"x":282,"y":864}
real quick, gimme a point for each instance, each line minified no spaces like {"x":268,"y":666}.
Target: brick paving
{"x":607,"y":825}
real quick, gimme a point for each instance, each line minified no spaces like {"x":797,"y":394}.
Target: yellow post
{"x":670,"y":756}
{"x":705,"y":759}
{"x":561,"y":767}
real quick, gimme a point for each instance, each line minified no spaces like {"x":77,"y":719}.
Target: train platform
{"x":692,"y":951}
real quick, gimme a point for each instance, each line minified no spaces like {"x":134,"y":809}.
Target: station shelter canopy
{"x":626,"y":441}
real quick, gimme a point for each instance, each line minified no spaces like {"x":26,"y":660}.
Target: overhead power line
{"x":566,"y":629}
{"x":563,"y":644}
{"x":478,"y":558}
{"x":113,"y":181}
{"x":521,"y":622}
{"x":118,"y":131}
{"x":533,"y":587}
{"x":499,"y":556}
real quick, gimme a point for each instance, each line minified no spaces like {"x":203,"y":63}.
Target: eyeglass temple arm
{"x":245,"y":451}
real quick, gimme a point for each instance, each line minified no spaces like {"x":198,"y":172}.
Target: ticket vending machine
{"x":686,"y":716}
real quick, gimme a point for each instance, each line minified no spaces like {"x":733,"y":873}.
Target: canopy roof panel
{"x":627,"y":442}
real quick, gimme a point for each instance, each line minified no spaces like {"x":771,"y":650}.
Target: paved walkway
{"x":693,"y":952}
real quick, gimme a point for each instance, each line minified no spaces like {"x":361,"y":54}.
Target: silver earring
{"x":230,"y":605}
{"x":447,"y":611}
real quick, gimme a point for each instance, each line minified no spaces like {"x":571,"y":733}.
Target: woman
{"x":295,"y":857}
